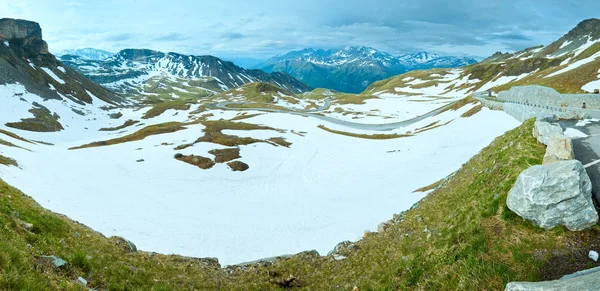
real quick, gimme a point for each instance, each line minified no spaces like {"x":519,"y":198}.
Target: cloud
{"x":262,"y":28}
{"x":172,"y":37}
{"x":233,"y":35}
{"x":120,"y":37}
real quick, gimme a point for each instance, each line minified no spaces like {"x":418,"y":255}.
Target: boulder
{"x":546,"y":117}
{"x":559,"y":148}
{"x":583,"y":280}
{"x":554,"y":194}
{"x":542,"y":131}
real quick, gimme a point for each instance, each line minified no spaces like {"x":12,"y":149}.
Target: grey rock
{"x":542,"y":131}
{"x":546,"y":117}
{"x":554,"y":194}
{"x":26,"y":225}
{"x":82,"y":281}
{"x":344,"y":248}
{"x":581,"y":273}
{"x":583,"y":280}
{"x":56,"y":261}
{"x":559,"y":148}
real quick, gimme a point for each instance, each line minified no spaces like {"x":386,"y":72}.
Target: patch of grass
{"x":588,"y":52}
{"x":100,"y":260}
{"x":43,"y":121}
{"x":343,"y":99}
{"x":238,"y":166}
{"x":8,"y":161}
{"x":160,"y":108}
{"x":257,"y":106}
{"x":225,"y":155}
{"x":244,"y":115}
{"x":198,"y":161}
{"x":430,"y":187}
{"x":155,"y":129}
{"x":427,"y":126}
{"x":115,"y":115}
{"x":459,"y":104}
{"x":257,"y":92}
{"x":10,"y":144}
{"x":472,"y":111}
{"x":8,"y":133}
{"x":366,"y":136}
{"x":289,"y":99}
{"x":213,"y":133}
{"x":280,"y":141}
{"x":124,"y":125}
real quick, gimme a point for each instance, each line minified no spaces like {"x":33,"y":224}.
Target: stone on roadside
{"x":554,"y":194}
{"x":559,"y":148}
{"x":593,"y":255}
{"x":583,"y":280}
{"x":546,"y":117}
{"x":542,"y":131}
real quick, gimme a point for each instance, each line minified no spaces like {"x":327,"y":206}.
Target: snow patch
{"x":54,"y":76}
{"x":574,"y":133}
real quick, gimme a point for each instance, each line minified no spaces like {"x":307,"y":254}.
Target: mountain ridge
{"x":353,"y":68}
{"x":130,"y":70}
{"x":88,"y":53}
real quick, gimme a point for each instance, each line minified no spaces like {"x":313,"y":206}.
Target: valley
{"x":150,"y":170}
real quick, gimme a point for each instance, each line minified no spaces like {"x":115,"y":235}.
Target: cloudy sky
{"x":262,"y":28}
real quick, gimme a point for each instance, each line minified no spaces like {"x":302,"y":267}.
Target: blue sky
{"x":260,"y":29}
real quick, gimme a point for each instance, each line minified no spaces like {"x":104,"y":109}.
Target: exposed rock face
{"x":542,"y":131}
{"x":559,"y":148}
{"x":24,"y":35}
{"x":583,"y":280}
{"x":554,"y":194}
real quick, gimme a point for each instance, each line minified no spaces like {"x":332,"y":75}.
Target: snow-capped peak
{"x":87,"y":53}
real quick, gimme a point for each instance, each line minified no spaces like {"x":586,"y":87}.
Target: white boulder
{"x":554,"y":194}
{"x":542,"y":131}
{"x":559,"y":148}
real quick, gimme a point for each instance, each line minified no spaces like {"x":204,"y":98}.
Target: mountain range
{"x":569,"y":65}
{"x":133,"y":71}
{"x":354,"y":68}
{"x":87,"y":53}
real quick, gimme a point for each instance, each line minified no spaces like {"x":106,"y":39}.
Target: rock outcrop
{"x":24,"y":36}
{"x":542,"y":131}
{"x":554,"y":194}
{"x":583,"y":280}
{"x":559,"y":148}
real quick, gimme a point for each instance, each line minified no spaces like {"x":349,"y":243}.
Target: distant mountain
{"x":425,"y":61}
{"x":132,"y":70}
{"x":569,"y":65}
{"x":353,"y":68}
{"x":87,"y":53}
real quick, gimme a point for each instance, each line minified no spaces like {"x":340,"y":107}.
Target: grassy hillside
{"x":461,"y":236}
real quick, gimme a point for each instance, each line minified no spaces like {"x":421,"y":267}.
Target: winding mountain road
{"x":315,"y":113}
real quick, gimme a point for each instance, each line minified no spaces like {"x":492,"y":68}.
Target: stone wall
{"x":522,"y":112}
{"x":545,"y":96}
{"x":491,"y":104}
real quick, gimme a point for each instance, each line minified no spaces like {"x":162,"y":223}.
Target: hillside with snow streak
{"x":570,"y":65}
